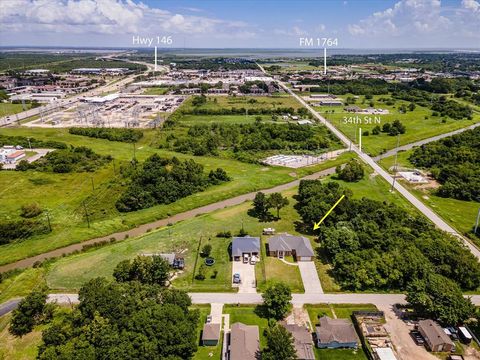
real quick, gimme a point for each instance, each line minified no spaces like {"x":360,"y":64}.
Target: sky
{"x":356,"y":24}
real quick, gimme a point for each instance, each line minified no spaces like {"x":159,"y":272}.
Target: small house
{"x":244,"y":342}
{"x":210,"y":334}
{"x":302,"y":341}
{"x":435,"y":337}
{"x":335,"y":333}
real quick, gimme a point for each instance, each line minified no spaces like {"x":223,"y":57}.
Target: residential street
{"x":423,"y":142}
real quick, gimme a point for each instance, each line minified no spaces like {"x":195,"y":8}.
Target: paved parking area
{"x":310,"y":279}
{"x":247,"y":275}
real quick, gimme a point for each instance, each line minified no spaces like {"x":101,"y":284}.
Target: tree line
{"x":211,"y":138}
{"x":163,"y":181}
{"x":375,"y":245}
{"x":454,"y":162}
{"x":111,"y":134}
{"x":70,"y":159}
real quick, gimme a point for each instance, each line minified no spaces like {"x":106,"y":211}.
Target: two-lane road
{"x":439,"y":222}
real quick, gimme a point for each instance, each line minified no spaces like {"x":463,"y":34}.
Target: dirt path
{"x":142,"y":229}
{"x":400,"y":334}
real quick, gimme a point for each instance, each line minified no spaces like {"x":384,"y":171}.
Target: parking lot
{"x":247,"y":277}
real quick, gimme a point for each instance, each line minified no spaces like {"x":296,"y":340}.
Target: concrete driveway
{"x":310,"y":279}
{"x":247,"y":275}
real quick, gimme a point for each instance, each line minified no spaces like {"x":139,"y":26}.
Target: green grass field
{"x":9,"y":109}
{"x":21,"y":284}
{"x":70,"y":272}
{"x":459,"y":214}
{"x":417,"y":127}
{"x":63,"y":194}
{"x":246,"y":102}
{"x":156,"y":91}
{"x":224,"y":119}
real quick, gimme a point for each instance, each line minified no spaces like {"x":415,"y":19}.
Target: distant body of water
{"x":244,"y":52}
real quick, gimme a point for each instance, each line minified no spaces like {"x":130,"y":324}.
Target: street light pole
{"x":395,"y":166}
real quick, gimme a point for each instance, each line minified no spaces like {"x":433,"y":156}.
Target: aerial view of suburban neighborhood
{"x":239,"y":179}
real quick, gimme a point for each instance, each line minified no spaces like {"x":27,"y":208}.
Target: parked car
{"x":253,"y":260}
{"x":417,"y":337}
{"x":236,"y":278}
{"x":245,"y":258}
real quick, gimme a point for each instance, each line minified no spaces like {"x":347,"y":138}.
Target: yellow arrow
{"x":317,"y":225}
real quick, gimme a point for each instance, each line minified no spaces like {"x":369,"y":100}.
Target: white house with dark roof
{"x":282,"y":245}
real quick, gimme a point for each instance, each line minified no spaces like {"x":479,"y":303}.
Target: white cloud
{"x":294,"y":31}
{"x":109,"y":17}
{"x":406,"y":17}
{"x":471,"y":5}
{"x":320,"y":28}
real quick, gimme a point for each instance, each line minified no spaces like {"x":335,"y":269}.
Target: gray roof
{"x":287,"y":242}
{"x":335,"y":330}
{"x":244,"y":342}
{"x":434,"y":332}
{"x":245,"y":244}
{"x":302,"y":340}
{"x":211,"y":331}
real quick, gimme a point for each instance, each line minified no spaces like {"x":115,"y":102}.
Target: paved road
{"x":8,"y":306}
{"x":440,"y":223}
{"x":310,"y":279}
{"x":142,"y":229}
{"x":424,"y":141}
{"x":297,"y":299}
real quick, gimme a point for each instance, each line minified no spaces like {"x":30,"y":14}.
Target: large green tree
{"x":440,"y":298}
{"x":125,"y":321}
{"x":145,"y":269}
{"x":276,"y":300}
{"x":30,"y":311}
{"x":277,"y":201}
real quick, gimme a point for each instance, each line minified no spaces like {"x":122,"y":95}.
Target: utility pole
{"x":86,"y":214}
{"x":48,"y":220}
{"x":395,"y":166}
{"x":476,"y":223}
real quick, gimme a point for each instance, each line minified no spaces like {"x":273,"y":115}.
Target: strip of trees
{"x":454,"y":162}
{"x":111,"y":134}
{"x":163,"y":181}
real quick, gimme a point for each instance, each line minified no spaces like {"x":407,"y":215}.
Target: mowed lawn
{"x":340,"y":311}
{"x":246,"y":314}
{"x":417,"y":126}
{"x":63,"y":194}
